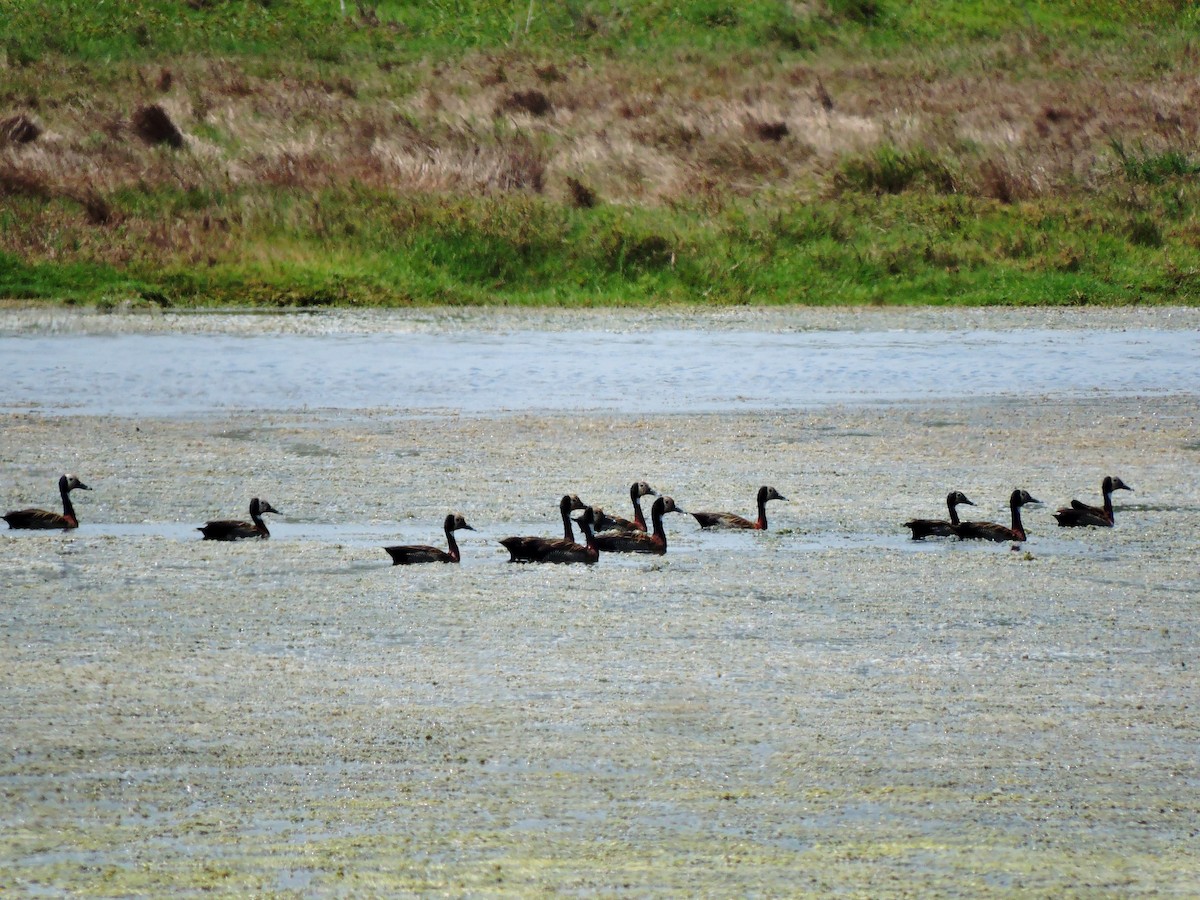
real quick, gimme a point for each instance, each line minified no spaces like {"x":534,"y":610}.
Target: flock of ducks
{"x":1077,"y":515}
{"x":612,"y":534}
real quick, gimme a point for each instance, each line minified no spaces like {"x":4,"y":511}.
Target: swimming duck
{"x":533,"y":549}
{"x":637,"y":490}
{"x":410,"y":555}
{"x":1079,"y":515}
{"x":640,"y":541}
{"x":542,"y":550}
{"x":729,"y":520}
{"x":44,"y":519}
{"x":990,"y":531}
{"x":923,"y":528}
{"x":236,"y":529}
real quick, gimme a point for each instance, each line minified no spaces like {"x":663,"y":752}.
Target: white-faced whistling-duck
{"x":236,"y":529}
{"x":640,"y":541}
{"x":923,"y":528}
{"x":44,"y":519}
{"x":533,"y":549}
{"x":637,"y":491}
{"x":407,"y":556}
{"x":990,"y":531}
{"x":1079,"y":515}
{"x":729,"y":520}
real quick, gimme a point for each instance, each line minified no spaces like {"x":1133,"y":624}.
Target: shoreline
{"x":34,"y":320}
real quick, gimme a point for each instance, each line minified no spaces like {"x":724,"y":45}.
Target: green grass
{"x":698,"y":152}
{"x":154,"y":29}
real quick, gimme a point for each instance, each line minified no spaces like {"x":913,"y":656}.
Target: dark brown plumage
{"x":730,"y":520}
{"x":542,"y":550}
{"x":44,"y":519}
{"x":236,"y":529}
{"x":1080,"y":515}
{"x":535,"y":549}
{"x":640,"y":541}
{"x":411,"y":555}
{"x":990,"y":531}
{"x":637,"y":490}
{"x":574,"y":505}
{"x":923,"y":528}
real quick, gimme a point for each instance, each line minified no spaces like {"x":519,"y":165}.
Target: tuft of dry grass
{"x":582,"y":196}
{"x":153,"y":125}
{"x":19,"y":129}
{"x":768,"y":131}
{"x":97,"y":209}
{"x":16,"y":183}
{"x":534,"y":102}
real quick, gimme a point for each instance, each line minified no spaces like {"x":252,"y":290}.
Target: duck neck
{"x":761,"y":524}
{"x":656,"y":517}
{"x":953,"y":507}
{"x":1108,"y":507}
{"x":1017,"y":527}
{"x":68,"y":506}
{"x":589,"y":538}
{"x":638,"y":518}
{"x":451,"y":542}
{"x":568,"y":531}
{"x":259,"y":525}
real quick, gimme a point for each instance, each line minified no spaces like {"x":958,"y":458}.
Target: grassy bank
{"x":845,"y":151}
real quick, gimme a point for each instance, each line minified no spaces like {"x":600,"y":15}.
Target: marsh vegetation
{"x":840,"y":151}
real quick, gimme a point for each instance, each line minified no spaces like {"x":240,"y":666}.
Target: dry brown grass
{"x":19,"y":129}
{"x":579,"y":131}
{"x":154,"y":126}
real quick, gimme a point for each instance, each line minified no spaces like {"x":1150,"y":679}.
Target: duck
{"x":640,"y":541}
{"x":407,"y":556}
{"x":568,"y":552}
{"x":1080,"y":515}
{"x":236,"y":529}
{"x":990,"y":531}
{"x":637,"y":490}
{"x":543,"y":550}
{"x":532,"y":549}
{"x":730,"y":520}
{"x":46,"y":520}
{"x":923,"y":528}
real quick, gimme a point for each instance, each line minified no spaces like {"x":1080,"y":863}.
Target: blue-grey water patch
{"x":485,"y":371}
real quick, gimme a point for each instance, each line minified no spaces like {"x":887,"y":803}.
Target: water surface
{"x":825,"y":708}
{"x":484,"y":371}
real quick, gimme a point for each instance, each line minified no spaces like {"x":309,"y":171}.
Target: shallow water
{"x":644,"y":369}
{"x":824,"y":708}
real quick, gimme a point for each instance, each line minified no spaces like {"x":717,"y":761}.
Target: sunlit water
{"x":672,"y":370}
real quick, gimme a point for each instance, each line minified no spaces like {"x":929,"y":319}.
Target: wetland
{"x":826,"y":708}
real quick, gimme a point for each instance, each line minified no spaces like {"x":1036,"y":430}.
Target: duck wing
{"x":615,"y":523}
{"x":1082,"y":516}
{"x":228,"y":530}
{"x":525,"y":549}
{"x":410,"y":555}
{"x":923,"y":528}
{"x":628,"y":542}
{"x":547,"y":550}
{"x":569,"y":552}
{"x":721,"y":520}
{"x":36,"y":519}
{"x":985,"y":531}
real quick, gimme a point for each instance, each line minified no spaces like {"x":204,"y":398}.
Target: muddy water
{"x":824,"y":708}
